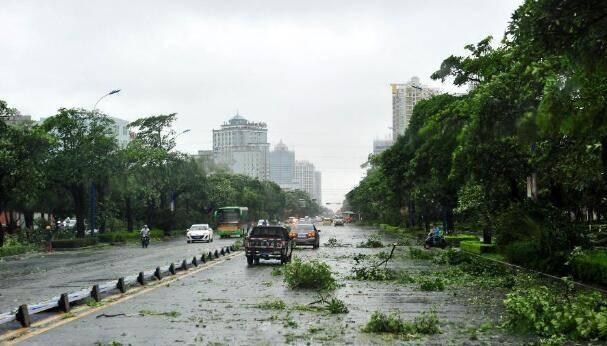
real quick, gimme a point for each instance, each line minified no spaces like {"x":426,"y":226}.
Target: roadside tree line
{"x":71,"y":165}
{"x":523,"y":154}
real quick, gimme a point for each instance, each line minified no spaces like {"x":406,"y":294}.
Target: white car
{"x":199,"y":232}
{"x":262,"y":222}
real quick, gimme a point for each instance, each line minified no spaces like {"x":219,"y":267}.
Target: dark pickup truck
{"x":268,"y":242}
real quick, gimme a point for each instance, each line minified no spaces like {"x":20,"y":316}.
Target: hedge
{"x":11,"y":250}
{"x":388,"y":228}
{"x":455,"y":239}
{"x":74,"y":243}
{"x":590,"y":267}
{"x":475,"y":246}
{"x":124,"y":236}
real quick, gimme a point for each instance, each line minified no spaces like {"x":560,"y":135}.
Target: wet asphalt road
{"x":218,"y":306}
{"x":38,"y":277}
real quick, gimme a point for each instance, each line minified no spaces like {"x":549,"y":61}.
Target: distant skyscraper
{"x":317,"y":187}
{"x":379,"y":145}
{"x":120,"y":130}
{"x":404,"y":98}
{"x":243,"y":147}
{"x":282,"y":166}
{"x":304,"y":176}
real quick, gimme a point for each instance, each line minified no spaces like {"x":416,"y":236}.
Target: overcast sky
{"x":317,"y":72}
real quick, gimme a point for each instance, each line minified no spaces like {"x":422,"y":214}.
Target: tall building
{"x":17,"y":119}
{"x":379,"y":145}
{"x":282,"y":166}
{"x":404,"y":98}
{"x":121,"y":131}
{"x":243,"y":147}
{"x":304,"y":176}
{"x":317,"y":191}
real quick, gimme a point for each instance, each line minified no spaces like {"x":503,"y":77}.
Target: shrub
{"x":373,"y":273}
{"x":392,"y":323}
{"x":590,"y":266}
{"x":417,"y":253}
{"x":118,"y":236}
{"x":74,"y":243}
{"x":476,"y":246}
{"x":12,"y":246}
{"x":310,"y":274}
{"x":455,"y":239}
{"x":426,"y":323}
{"x":548,"y":311}
{"x":277,"y":304}
{"x":453,"y":257}
{"x":374,"y":241}
{"x":336,"y":306}
{"x":388,"y":228}
{"x":333,"y":242}
{"x":431,"y":283}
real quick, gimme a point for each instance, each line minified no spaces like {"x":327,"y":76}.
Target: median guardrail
{"x":63,"y":302}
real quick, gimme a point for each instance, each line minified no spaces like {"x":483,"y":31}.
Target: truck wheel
{"x":250,"y":260}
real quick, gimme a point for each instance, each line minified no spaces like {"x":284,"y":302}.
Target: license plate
{"x":304,"y":235}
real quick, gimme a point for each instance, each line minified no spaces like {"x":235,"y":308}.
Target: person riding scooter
{"x":435,"y":238}
{"x":145,"y":236}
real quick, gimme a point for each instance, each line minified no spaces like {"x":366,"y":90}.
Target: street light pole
{"x":172,"y":191}
{"x":115,"y":91}
{"x":93,"y":209}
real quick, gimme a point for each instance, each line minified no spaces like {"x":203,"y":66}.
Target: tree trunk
{"x":79,"y":208}
{"x":101,"y":216}
{"x":29,"y":219}
{"x":128,"y":213}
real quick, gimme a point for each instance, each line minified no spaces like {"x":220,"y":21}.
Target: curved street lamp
{"x":93,"y":211}
{"x":115,"y":91}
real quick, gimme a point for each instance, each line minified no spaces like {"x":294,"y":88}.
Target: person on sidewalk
{"x":49,"y":238}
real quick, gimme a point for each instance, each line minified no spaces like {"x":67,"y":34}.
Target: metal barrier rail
{"x":63,"y":302}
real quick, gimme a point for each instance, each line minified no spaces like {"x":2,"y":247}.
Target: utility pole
{"x":93,"y":208}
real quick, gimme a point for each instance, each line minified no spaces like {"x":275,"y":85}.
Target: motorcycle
{"x":145,"y":241}
{"x":432,"y":240}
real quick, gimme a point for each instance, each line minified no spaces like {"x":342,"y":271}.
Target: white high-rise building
{"x":304,"y":176}
{"x":120,"y":130}
{"x":243,"y":147}
{"x":282,"y":166}
{"x":404,"y":98}
{"x":317,"y":191}
{"x":379,"y":145}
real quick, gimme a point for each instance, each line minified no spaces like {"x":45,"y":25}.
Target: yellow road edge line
{"x":44,"y":325}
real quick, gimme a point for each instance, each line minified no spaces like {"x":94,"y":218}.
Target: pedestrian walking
{"x":49,"y":238}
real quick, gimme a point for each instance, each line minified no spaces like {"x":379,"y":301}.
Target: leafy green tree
{"x":83,"y":149}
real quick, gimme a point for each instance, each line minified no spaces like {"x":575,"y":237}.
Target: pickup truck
{"x":268,"y":242}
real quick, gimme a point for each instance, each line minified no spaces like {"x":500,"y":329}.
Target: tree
{"x":83,"y":149}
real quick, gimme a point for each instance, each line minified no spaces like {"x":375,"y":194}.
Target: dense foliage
{"x":72,"y":166}
{"x":309,"y":274}
{"x":535,"y":115}
{"x":550,"y":311}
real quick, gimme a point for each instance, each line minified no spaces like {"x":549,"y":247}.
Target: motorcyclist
{"x":145,"y":236}
{"x":437,"y":232}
